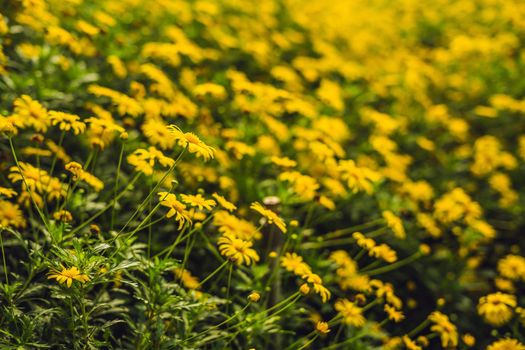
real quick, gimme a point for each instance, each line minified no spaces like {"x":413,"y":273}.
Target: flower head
{"x":68,"y":275}
{"x":496,"y":308}
{"x":269,"y":215}
{"x":238,"y":250}
{"x":192,"y":142}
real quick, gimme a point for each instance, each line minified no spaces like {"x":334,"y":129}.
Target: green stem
{"x":396,"y":265}
{"x":109,"y":205}
{"x":42,"y":217}
{"x":213,"y":273}
{"x":143,"y":204}
{"x":117,"y":178}
{"x":3,"y":257}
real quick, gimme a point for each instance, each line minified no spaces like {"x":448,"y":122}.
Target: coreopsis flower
{"x":81,"y":174}
{"x":284,"y":162}
{"x":254,"y":297}
{"x":410,"y":344}
{"x":188,"y":280}
{"x":363,"y":241}
{"x":294,"y":263}
{"x":269,"y":215}
{"x":468,"y":339}
{"x":238,"y":250}
{"x":496,"y":308}
{"x":351,"y":313}
{"x":29,"y":175}
{"x":7,"y":192}
{"x":393,"y":314}
{"x":383,"y":252}
{"x":358,"y":178}
{"x":63,"y":215}
{"x":223,"y":202}
{"x":446,"y":330}
{"x":177,"y":209}
{"x":66,"y":122}
{"x":144,"y":160}
{"x":229,"y":223}
{"x":210,"y":89}
{"x":198,"y":201}
{"x":317,"y":284}
{"x":11,"y":215}
{"x":68,"y":275}
{"x":512,"y":267}
{"x":395,"y":224}
{"x":158,"y":134}
{"x":7,"y":127}
{"x":322,"y":327}
{"x":29,"y":112}
{"x":506,"y":344}
{"x":192,"y":142}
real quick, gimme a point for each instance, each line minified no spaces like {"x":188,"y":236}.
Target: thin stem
{"x":213,"y":273}
{"x":396,"y":265}
{"x":228,"y":286}
{"x":117,"y":178}
{"x":309,"y":342}
{"x":42,"y":217}
{"x":3,"y":257}
{"x":109,"y":205}
{"x":142,"y":205}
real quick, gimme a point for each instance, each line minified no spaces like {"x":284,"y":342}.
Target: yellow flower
{"x":144,"y":160}
{"x":393,"y":314}
{"x":11,"y":215}
{"x":304,"y":289}
{"x":177,"y":209}
{"x":158,"y":134}
{"x":294,"y":263}
{"x":237,"y":250}
{"x":193,"y":142}
{"x":198,"y":201}
{"x":68,"y":275}
{"x":67,"y":122}
{"x":358,"y":178}
{"x":33,"y":177}
{"x":468,"y":339}
{"x":496,"y":308}
{"x":446,"y":330}
{"x":224,"y":203}
{"x":63,"y":215}
{"x":284,"y":162}
{"x":188,"y":280}
{"x":506,"y":344}
{"x":322,"y":327}
{"x":269,"y":215}
{"x":395,"y":224}
{"x":317,"y":284}
{"x":410,"y":344}
{"x":254,"y":297}
{"x":512,"y":267}
{"x":352,"y":314}
{"x":7,"y":192}
{"x":30,"y":113}
{"x":384,"y":252}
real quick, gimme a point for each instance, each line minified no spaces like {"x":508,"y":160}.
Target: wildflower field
{"x":262,"y":174}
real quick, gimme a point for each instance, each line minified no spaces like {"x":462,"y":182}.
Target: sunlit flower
{"x":322,"y":327}
{"x":198,"y":201}
{"x":66,"y":122}
{"x":223,"y":202}
{"x":269,"y":215}
{"x":192,"y":142}
{"x":237,"y":250}
{"x":177,"y":209}
{"x":352,"y":314}
{"x":496,"y":308}
{"x":68,"y":275}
